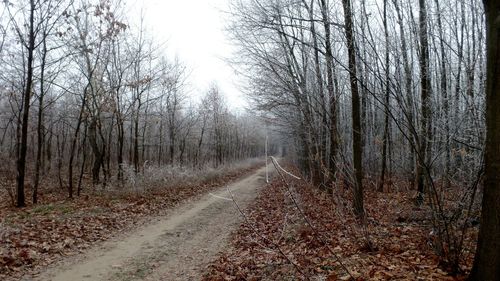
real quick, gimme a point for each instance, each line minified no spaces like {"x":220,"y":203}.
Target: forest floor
{"x":296,"y":232}
{"x":94,"y":236}
{"x":288,"y":231}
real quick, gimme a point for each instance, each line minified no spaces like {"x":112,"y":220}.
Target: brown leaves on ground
{"x":277,"y":243}
{"x":34,"y":237}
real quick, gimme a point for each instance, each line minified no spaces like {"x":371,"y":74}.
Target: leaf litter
{"x":37,"y":236}
{"x":277,"y":243}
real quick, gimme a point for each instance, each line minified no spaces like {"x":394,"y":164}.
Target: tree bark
{"x":486,"y":265}
{"x":385,"y":140}
{"x":121,"y":139}
{"x":73,"y":142}
{"x":425,"y":91}
{"x":84,"y":158}
{"x":39,"y":128}
{"x":23,"y":147}
{"x":323,"y":129}
{"x":96,"y":150}
{"x":136,"y":139}
{"x":356,"y":114}
{"x":444,"y":95}
{"x":331,"y":91}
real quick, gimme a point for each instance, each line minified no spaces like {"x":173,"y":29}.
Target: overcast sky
{"x":194,"y":31}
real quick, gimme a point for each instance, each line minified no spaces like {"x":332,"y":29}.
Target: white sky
{"x":194,"y":31}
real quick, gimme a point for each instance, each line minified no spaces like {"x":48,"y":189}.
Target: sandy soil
{"x":175,"y":247}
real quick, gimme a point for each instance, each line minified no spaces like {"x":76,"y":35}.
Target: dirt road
{"x":176,"y":247}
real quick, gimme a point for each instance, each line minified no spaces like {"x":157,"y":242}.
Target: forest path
{"x":175,"y":247}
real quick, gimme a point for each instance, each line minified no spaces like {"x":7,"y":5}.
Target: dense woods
{"x":412,"y":72}
{"x":361,"y":95}
{"x":85,"y":91}
{"x":381,"y":94}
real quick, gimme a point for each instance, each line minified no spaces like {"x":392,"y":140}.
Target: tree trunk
{"x":323,"y":129}
{"x":487,"y":260}
{"x":171,"y":147}
{"x":444,"y":95}
{"x":136,"y":141}
{"x":73,"y":143}
{"x":48,"y":149}
{"x":407,"y":102}
{"x":160,"y":141}
{"x":356,"y":114}
{"x":200,"y":142}
{"x":98,"y":154}
{"x":39,"y":128}
{"x":84,"y":158}
{"x":425,"y":91}
{"x":23,"y":147}
{"x":61,"y":147}
{"x":331,"y":93}
{"x":385,"y":140}
{"x":121,"y":138}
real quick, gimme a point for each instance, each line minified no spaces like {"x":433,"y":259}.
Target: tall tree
{"x":330,"y":73}
{"x":357,"y":149}
{"x":40,"y":129}
{"x":48,"y":17}
{"x":487,"y":260}
{"x":385,"y":139}
{"x":29,"y":44}
{"x":425,"y":92}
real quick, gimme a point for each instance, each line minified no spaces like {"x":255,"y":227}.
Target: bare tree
{"x":356,"y":114}
{"x":425,"y":95}
{"x":487,"y":260}
{"x":28,"y":41}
